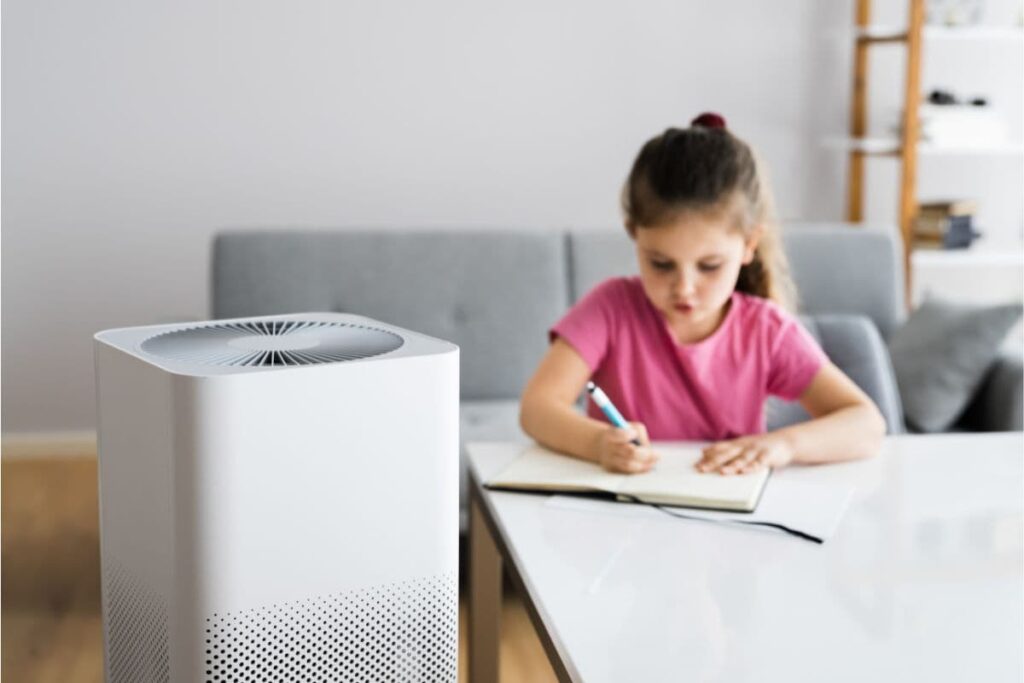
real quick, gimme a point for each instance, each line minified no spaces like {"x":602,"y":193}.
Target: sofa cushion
{"x":492,"y":292}
{"x":943,"y":354}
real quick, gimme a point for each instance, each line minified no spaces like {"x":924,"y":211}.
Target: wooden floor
{"x":51,"y":624}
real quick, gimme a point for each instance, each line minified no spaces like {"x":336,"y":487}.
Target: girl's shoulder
{"x":608,"y":307}
{"x":756,"y":311}
{"x":616,"y":301}
{"x":615,"y":291}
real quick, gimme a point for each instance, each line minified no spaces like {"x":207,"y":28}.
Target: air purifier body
{"x":278,"y":501}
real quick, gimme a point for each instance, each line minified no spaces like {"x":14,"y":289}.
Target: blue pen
{"x":609,"y":409}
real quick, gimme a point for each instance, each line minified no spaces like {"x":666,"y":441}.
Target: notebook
{"x":673,"y":481}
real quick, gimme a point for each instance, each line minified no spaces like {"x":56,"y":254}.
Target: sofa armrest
{"x":999,"y":404}
{"x":854,"y":345}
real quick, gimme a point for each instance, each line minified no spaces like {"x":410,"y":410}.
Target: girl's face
{"x":689,"y":267}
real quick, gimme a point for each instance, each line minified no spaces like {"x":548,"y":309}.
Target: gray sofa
{"x":496,"y":292}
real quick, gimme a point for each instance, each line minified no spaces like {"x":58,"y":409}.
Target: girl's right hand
{"x":615,"y":453}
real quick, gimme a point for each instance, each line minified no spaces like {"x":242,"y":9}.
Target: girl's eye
{"x":662,"y":265}
{"x":709,"y":267}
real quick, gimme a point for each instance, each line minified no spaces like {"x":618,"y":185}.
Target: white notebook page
{"x":672,"y":475}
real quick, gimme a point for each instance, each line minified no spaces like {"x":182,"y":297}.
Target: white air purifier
{"x":278,"y":501}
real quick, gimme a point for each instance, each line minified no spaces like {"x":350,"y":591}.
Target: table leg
{"x":484,"y":599}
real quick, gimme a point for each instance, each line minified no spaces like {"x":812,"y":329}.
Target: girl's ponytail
{"x":767,"y":276}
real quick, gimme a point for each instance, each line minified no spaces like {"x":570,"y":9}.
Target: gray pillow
{"x":941,"y":356}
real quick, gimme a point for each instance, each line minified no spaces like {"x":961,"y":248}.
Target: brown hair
{"x":705,"y":168}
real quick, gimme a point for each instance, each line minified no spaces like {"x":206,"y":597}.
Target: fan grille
{"x":271,"y":343}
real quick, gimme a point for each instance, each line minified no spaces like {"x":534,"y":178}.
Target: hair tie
{"x":709,"y":120}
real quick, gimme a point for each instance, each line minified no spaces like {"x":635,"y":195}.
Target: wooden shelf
{"x":880,"y":146}
{"x":880,"y":34}
{"x":977,"y":32}
{"x":898,"y":34}
{"x":873,"y":146}
{"x":977,"y":256}
{"x":1008,"y":149}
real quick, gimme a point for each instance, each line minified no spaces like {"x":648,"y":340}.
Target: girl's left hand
{"x":746,"y":454}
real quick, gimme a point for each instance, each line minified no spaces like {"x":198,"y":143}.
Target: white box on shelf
{"x":958,"y":126}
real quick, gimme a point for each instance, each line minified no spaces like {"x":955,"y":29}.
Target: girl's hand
{"x":746,"y":454}
{"x":615,"y":453}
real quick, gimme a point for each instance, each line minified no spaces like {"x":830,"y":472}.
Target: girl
{"x":692,"y":347}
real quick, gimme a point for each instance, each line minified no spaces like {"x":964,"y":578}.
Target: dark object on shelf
{"x":942,"y":97}
{"x":960,"y":233}
{"x":949,"y":232}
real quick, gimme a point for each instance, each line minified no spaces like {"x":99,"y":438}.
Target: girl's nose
{"x":685,"y":285}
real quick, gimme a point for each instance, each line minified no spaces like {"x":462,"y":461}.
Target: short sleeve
{"x":795,"y":360}
{"x":588,"y":326}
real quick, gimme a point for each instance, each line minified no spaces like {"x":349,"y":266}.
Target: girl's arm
{"x":846,"y":425}
{"x":547,"y":414}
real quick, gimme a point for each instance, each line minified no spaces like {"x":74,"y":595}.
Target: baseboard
{"x":36,"y":445}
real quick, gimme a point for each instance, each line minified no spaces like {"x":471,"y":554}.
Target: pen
{"x":609,"y":409}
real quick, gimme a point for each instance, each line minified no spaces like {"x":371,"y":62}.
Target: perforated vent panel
{"x":136,"y":631}
{"x":261,"y":343}
{"x":399,"y":632}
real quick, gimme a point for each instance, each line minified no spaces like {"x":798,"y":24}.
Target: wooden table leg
{"x":484,"y":599}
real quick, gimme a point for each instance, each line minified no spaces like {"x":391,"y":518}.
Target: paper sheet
{"x":811,"y":508}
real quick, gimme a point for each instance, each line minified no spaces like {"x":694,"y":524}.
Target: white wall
{"x":133,"y":131}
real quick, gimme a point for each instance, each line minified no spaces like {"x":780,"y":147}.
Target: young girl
{"x":691,"y":348}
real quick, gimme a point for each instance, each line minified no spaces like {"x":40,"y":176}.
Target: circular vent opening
{"x":262,"y":343}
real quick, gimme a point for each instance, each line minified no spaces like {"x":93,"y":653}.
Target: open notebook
{"x":673,"y":481}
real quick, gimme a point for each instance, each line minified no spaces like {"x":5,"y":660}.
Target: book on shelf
{"x":948,"y":207}
{"x":924,"y":244}
{"x":947,"y":224}
{"x":938,"y":227}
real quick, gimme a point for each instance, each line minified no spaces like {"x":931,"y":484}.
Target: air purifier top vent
{"x":262,"y":343}
{"x":269,"y":343}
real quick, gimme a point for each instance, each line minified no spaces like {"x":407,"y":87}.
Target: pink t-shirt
{"x":710,"y":390}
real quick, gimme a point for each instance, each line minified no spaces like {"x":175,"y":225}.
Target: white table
{"x":922,"y":581}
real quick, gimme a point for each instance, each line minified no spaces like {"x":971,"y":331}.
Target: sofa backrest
{"x":840,"y":268}
{"x":837,"y":268}
{"x":496,"y":292}
{"x":492,"y":292}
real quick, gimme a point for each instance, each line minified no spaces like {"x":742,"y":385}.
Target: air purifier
{"x":278,"y":501}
